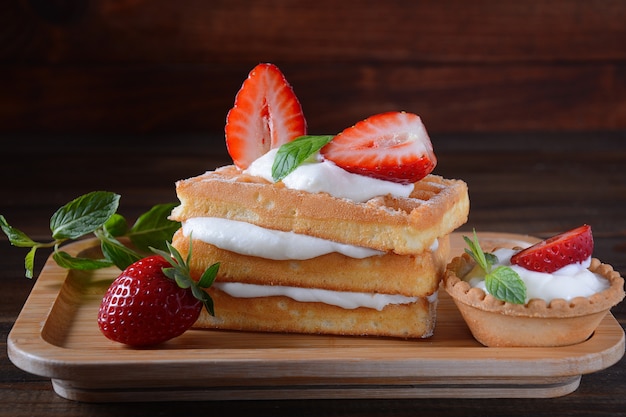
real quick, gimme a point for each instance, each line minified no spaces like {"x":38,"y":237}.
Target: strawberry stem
{"x":180,"y":273}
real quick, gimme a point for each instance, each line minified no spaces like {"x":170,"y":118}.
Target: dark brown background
{"x":155,"y":66}
{"x":525,"y":100}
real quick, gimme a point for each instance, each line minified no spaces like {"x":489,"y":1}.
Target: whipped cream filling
{"x":320,"y":175}
{"x":251,"y":240}
{"x":344,"y":299}
{"x":569,"y":282}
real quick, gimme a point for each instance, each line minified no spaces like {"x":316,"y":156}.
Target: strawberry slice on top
{"x":266,"y":114}
{"x":391,"y":146}
{"x":552,"y":254}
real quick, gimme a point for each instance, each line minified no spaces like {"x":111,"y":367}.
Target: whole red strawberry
{"x":552,"y":254}
{"x":266,"y":114}
{"x":391,"y":146}
{"x":146,"y":304}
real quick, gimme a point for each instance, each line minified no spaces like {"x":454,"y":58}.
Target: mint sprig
{"x":292,"y":154}
{"x":96,"y":213}
{"x":503,"y":282}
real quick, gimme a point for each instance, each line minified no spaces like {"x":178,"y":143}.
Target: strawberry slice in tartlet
{"x":552,"y":254}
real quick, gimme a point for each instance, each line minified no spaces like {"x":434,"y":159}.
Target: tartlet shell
{"x":559,"y":323}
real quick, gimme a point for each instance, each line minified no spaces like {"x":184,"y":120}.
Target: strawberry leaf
{"x":208,"y":277}
{"x":175,"y":258}
{"x":292,"y":154}
{"x":182,"y":278}
{"x":179,"y":272}
{"x":205,"y":298}
{"x":83,"y":215}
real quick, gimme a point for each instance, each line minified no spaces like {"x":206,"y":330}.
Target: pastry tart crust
{"x":558,"y":323}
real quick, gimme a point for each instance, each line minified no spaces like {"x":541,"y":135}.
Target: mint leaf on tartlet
{"x":503,"y":282}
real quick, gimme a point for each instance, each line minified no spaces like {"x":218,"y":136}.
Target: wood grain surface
{"x":56,"y":336}
{"x":518,"y":183}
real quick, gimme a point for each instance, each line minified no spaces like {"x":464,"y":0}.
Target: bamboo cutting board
{"x":56,"y":336}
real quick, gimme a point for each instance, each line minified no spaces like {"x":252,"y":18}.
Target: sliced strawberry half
{"x":552,"y":254}
{"x":390,"y":146}
{"x":266,"y":114}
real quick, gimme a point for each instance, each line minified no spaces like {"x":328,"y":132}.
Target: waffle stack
{"x":389,"y":290}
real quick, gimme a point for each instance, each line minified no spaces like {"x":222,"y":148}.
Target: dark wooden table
{"x":537,"y":184}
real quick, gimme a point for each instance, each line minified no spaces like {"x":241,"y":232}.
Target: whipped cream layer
{"x":569,"y":282}
{"x":343,"y":299}
{"x":251,"y":240}
{"x":320,"y":175}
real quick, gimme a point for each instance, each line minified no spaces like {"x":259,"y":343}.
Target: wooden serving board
{"x":56,"y":336}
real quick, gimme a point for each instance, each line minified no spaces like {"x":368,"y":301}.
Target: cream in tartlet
{"x":569,"y":282}
{"x":562,"y":310}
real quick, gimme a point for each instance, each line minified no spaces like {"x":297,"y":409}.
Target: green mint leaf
{"x":83,"y":215}
{"x":120,"y":255}
{"x":506,"y":285}
{"x":292,"y":154}
{"x":476,"y":252}
{"x":491,"y":258}
{"x":16,"y":237}
{"x":153,"y":228}
{"x":65,"y":260}
{"x":116,"y":225}
{"x":29,"y":262}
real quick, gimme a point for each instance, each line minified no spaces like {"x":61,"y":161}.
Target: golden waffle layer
{"x":405,"y":226}
{"x":282,"y":314}
{"x":410,"y":275}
